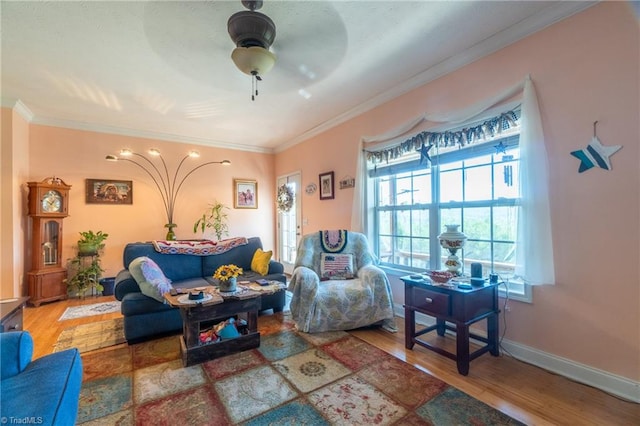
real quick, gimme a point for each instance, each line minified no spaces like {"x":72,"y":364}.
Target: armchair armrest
{"x":304,"y":284}
{"x":125,"y":284}
{"x":16,"y":349}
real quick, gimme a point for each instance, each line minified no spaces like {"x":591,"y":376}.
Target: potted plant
{"x":227,"y":276}
{"x":91,"y":242}
{"x":213,"y":217}
{"x":84,"y":275}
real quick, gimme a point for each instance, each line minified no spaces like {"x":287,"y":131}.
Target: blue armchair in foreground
{"x":44,"y":391}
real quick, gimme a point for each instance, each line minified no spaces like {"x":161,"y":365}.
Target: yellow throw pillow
{"x":260,"y":261}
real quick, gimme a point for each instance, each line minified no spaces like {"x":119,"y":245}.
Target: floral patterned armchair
{"x":337,"y":301}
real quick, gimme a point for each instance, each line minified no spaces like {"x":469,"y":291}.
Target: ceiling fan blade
{"x":192,"y":37}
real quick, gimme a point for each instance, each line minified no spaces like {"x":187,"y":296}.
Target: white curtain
{"x":534,"y":240}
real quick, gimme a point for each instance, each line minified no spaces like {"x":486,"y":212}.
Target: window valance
{"x":479,"y":132}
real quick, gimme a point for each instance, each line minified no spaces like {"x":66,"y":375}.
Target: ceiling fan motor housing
{"x":250,"y":28}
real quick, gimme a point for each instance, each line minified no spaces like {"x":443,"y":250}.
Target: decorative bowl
{"x":440,"y":277}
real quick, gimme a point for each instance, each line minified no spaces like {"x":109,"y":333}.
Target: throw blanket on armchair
{"x":198,"y":247}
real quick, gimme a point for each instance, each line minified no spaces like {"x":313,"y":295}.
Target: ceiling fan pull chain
{"x":255,"y":78}
{"x":253,"y":87}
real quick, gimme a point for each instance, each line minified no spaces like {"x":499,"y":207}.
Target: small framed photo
{"x":245,"y":194}
{"x":109,"y":191}
{"x":326,"y":186}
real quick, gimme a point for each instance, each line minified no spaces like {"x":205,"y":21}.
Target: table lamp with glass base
{"x":453,"y":240}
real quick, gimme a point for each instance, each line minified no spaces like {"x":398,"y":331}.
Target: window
{"x":476,"y":187}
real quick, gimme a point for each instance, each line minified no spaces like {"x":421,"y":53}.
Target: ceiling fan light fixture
{"x":253,"y":33}
{"x":253,"y":60}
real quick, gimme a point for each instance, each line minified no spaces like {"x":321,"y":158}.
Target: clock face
{"x":52,"y":202}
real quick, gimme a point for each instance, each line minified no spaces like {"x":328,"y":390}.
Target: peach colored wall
{"x":14,"y":158}
{"x":76,"y":155}
{"x":585,"y":68}
{"x":6,"y":222}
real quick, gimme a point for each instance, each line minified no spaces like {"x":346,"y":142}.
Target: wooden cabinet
{"x":48,"y":206}
{"x":454,"y":309}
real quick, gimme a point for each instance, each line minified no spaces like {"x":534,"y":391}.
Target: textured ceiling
{"x":162,"y":69}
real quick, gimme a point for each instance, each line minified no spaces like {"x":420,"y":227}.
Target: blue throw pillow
{"x":150,"y":278}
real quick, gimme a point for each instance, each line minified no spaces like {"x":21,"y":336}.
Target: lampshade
{"x":253,"y":60}
{"x":452,"y":238}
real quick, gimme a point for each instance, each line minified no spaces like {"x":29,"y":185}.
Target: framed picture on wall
{"x":326,"y":186}
{"x":109,"y":191}
{"x":245,"y":194}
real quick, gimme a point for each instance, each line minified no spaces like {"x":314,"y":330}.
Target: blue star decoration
{"x":424,"y":153}
{"x":595,"y":154}
{"x":501,"y":148}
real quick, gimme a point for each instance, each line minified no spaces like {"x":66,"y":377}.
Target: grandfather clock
{"x":48,"y":206}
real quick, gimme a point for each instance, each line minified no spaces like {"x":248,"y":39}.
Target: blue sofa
{"x":44,"y":391}
{"x":145,"y":317}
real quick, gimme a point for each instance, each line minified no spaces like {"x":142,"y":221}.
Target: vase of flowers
{"x":227,"y":276}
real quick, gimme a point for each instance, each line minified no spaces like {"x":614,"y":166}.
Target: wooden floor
{"x":526,"y":393}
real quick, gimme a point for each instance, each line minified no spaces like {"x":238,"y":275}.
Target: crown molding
{"x":18,"y":106}
{"x":169,"y":137}
{"x":522,"y":29}
{"x":30,"y":117}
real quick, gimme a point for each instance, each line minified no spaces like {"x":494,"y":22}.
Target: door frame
{"x":298,"y":217}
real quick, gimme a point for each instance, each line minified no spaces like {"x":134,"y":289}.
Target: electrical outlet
{"x":507,"y":308}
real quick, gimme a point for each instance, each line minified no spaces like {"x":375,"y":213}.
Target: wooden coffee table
{"x":196,"y":315}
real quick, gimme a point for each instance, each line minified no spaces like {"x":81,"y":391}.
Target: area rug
{"x":74,"y":312}
{"x":89,"y":337}
{"x":291,"y":379}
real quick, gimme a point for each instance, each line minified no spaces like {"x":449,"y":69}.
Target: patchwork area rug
{"x":89,"y":337}
{"x":291,"y":379}
{"x":74,"y":312}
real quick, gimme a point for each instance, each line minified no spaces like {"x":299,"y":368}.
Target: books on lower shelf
{"x":271,"y":286}
{"x":241,"y":292}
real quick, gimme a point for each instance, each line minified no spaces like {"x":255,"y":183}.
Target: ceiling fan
{"x":191,"y":37}
{"x":253,"y":33}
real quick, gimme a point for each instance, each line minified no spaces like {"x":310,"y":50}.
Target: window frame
{"x":411,"y":164}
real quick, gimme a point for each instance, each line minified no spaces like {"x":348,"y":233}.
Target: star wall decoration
{"x":595,"y":154}
{"x":424,"y":153}
{"x":501,"y":148}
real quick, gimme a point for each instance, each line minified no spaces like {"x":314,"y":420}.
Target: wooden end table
{"x":460,"y":307}
{"x":194,"y":315}
{"x":11,"y":311}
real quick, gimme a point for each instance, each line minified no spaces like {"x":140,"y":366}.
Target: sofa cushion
{"x":174,"y":266}
{"x":240,"y":256}
{"x":150,"y":278}
{"x":260,"y":261}
{"x":139,"y":304}
{"x":336,"y":266}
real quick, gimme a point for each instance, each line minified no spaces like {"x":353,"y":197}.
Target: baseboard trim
{"x":613,"y":384}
